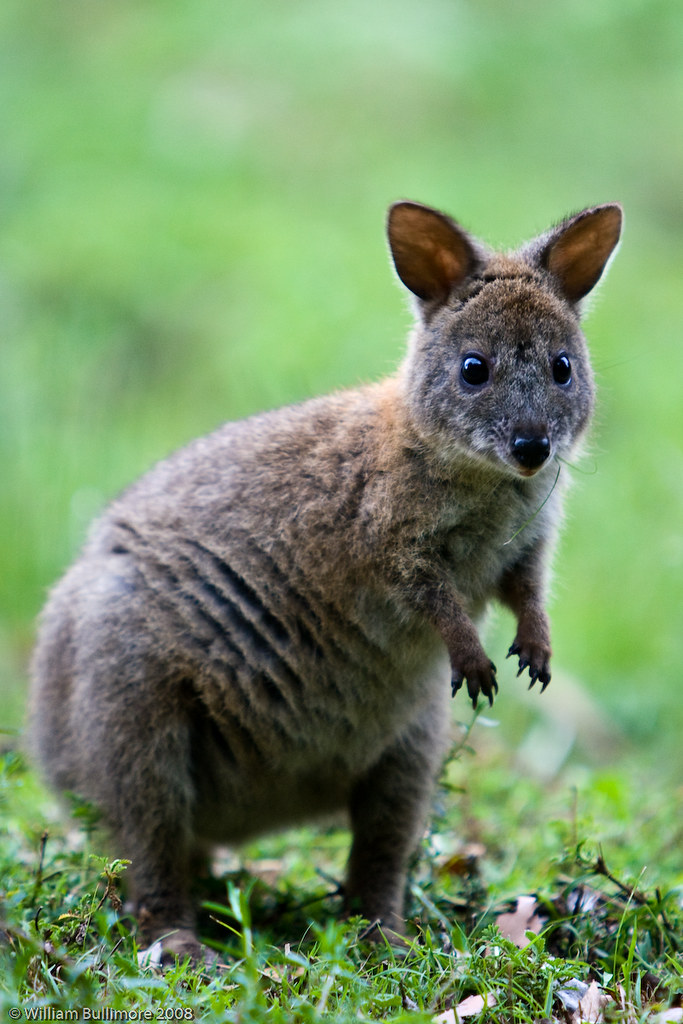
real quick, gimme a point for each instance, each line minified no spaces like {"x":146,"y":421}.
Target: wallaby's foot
{"x":535,"y":657}
{"x":480,"y":678}
{"x":380,"y":935}
{"x":176,"y":946}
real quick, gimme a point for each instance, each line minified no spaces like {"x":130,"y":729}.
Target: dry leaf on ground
{"x":523,"y":919}
{"x":470,"y":1007}
{"x":591,"y":1005}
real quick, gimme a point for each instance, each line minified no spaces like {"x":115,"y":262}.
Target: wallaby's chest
{"x":484,"y":540}
{"x":470,"y":532}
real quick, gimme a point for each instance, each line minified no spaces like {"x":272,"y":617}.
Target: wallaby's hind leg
{"x":388,"y":809}
{"x":133,"y":739}
{"x":146,"y":791}
{"x":149,"y":806}
{"x":113,"y":718}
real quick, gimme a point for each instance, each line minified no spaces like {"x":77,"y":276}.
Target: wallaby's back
{"x":259,"y":631}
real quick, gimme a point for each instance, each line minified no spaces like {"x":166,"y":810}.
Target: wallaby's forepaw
{"x":536,"y":658}
{"x":480,"y":678}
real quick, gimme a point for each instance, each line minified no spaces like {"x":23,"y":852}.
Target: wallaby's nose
{"x":530,"y":450}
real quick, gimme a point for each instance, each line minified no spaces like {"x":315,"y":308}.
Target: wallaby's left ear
{"x":579,"y":249}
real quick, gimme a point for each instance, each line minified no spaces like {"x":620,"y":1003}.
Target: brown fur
{"x":258,"y":632}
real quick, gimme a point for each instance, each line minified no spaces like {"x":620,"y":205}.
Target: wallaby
{"x":267,"y":627}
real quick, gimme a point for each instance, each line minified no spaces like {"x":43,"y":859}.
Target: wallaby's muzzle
{"x":530,"y":450}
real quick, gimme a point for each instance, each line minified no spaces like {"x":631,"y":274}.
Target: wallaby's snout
{"x":530,"y":448}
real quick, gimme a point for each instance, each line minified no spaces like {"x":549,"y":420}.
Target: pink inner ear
{"x":579,"y":255}
{"x":453,"y":267}
{"x":430,"y":252}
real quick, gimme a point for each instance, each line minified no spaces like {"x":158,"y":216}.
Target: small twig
{"x":338,"y":888}
{"x":367,"y":932}
{"x":600,"y":868}
{"x":39,"y":869}
{"x":632,"y":893}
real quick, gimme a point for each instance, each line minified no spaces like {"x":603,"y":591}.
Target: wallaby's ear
{"x":431,"y":252}
{"x":579,"y":249}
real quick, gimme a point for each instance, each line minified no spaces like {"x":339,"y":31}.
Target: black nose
{"x":530,"y":450}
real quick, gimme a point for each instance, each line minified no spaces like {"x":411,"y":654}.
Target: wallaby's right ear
{"x":431,"y":253}
{"x":579,"y":249}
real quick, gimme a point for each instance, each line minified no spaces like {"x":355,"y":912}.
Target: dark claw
{"x":480,"y":681}
{"x":536,"y":674}
{"x":488,"y":689}
{"x":473,"y":689}
{"x":456,"y":682}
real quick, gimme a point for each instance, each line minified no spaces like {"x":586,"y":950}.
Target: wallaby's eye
{"x":474,"y":370}
{"x":562,"y":369}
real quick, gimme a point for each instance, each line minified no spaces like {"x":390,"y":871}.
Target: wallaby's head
{"x":498,"y":366}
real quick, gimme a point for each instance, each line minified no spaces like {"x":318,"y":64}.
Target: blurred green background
{"x":192,"y":201}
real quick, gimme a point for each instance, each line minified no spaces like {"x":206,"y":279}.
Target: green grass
{"x":284,"y":955}
{"x":192,"y":199}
